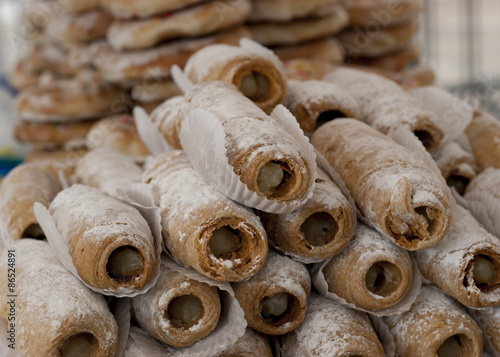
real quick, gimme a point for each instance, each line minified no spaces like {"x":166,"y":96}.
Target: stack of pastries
{"x":333,"y":217}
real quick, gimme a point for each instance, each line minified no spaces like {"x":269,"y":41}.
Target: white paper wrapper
{"x":181,"y":80}
{"x":455,"y":114}
{"x":488,"y":349}
{"x":384,"y":335}
{"x":213,"y":164}
{"x":319,"y":282}
{"x":121,"y":312}
{"x":143,"y":198}
{"x":149,"y":133}
{"x":5,"y":350}
{"x":485,"y":208}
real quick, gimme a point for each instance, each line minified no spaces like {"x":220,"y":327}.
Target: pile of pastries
{"x":251,"y":214}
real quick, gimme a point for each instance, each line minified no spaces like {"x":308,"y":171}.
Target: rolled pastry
{"x":287,"y":10}
{"x":117,"y":132}
{"x":306,"y":69}
{"x":393,"y":190}
{"x":110,"y":243}
{"x":275,"y":298}
{"x":489,"y":321}
{"x":21,"y":188}
{"x":265,"y":157}
{"x":488,"y":182}
{"x":55,"y":314}
{"x":257,"y":75}
{"x":251,"y":344}
{"x":466,"y":263}
{"x":317,"y":230}
{"x":371,"y":272}
{"x":198,"y":20}
{"x":168,"y":119}
{"x":457,"y":166}
{"x":108,"y":170}
{"x":201,"y":227}
{"x":330,"y":329}
{"x":436,"y":325}
{"x":177,"y":310}
{"x":385,"y":106}
{"x":314,"y":103}
{"x":152,"y":89}
{"x":484,"y":137}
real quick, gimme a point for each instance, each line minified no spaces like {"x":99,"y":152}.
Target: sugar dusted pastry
{"x":152,"y":89}
{"x":110,"y":243}
{"x":394,"y":190}
{"x":108,"y":170}
{"x":285,"y":10}
{"x":325,"y":50}
{"x":316,"y":231}
{"x":201,"y":227}
{"x":168,"y":119}
{"x":484,"y":136}
{"x":371,"y":272}
{"x":330,"y":329}
{"x":251,"y":344}
{"x":272,"y":162}
{"x":457,"y":166}
{"x":55,"y":314}
{"x":256,"y":72}
{"x":178,"y":311}
{"x":465,"y":264}
{"x":315,"y":102}
{"x":126,"y":9}
{"x":436,"y":325}
{"x":487,"y":182}
{"x":198,"y":20}
{"x":361,"y":12}
{"x":21,"y":188}
{"x":489,"y":321}
{"x":275,"y":298}
{"x":385,"y":106}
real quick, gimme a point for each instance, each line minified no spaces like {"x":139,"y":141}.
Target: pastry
{"x":315,"y":102}
{"x":256,"y":73}
{"x":251,"y":344}
{"x":178,"y":311}
{"x":319,"y":229}
{"x":385,"y":106}
{"x":287,"y":10}
{"x":371,"y":272}
{"x":487,"y":182}
{"x":307,"y":69}
{"x":436,"y":325}
{"x":383,"y":13}
{"x":395,"y":191}
{"x":55,"y":314}
{"x":275,"y":298}
{"x":110,"y":243}
{"x":126,"y":9}
{"x":21,"y":188}
{"x":327,"y":50}
{"x":484,"y":136}
{"x":330,"y":329}
{"x":153,"y":90}
{"x":465,"y":264}
{"x":489,"y":321}
{"x":199,"y":20}
{"x":201,"y":227}
{"x":397,"y":61}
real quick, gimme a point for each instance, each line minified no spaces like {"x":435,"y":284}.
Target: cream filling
{"x":450,"y":348}
{"x":224,"y":241}
{"x":79,"y":345}
{"x":185,"y":310}
{"x":254,"y":85}
{"x":124,"y":263}
{"x":381,"y":278}
{"x":319,"y":229}
{"x":33,"y":231}
{"x":275,"y":306}
{"x":270,"y":177}
{"x":484,"y":270}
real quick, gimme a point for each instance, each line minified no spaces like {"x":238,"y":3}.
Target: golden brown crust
{"x":150,"y":310}
{"x":382,"y":12}
{"x":285,"y":10}
{"x":278,"y":275}
{"x":484,"y":136}
{"x":396,"y":192}
{"x":323,"y":52}
{"x":396,"y":62}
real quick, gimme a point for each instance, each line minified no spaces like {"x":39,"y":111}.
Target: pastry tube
{"x":267,"y":159}
{"x":489,"y":321}
{"x":110,"y":243}
{"x":330,"y":329}
{"x":457,"y":166}
{"x":201,"y":227}
{"x":436,"y":325}
{"x":21,"y":188}
{"x":488,"y":182}
{"x":484,"y":137}
{"x":257,"y":75}
{"x":107,"y":170}
{"x":178,"y":311}
{"x":314,"y":103}
{"x":275,"y":298}
{"x":382,"y":276}
{"x":168,"y":119}
{"x":395,"y":191}
{"x":319,"y":229}
{"x":55,"y":314}
{"x":385,"y":106}
{"x":465,"y":264}
{"x":251,"y":344}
